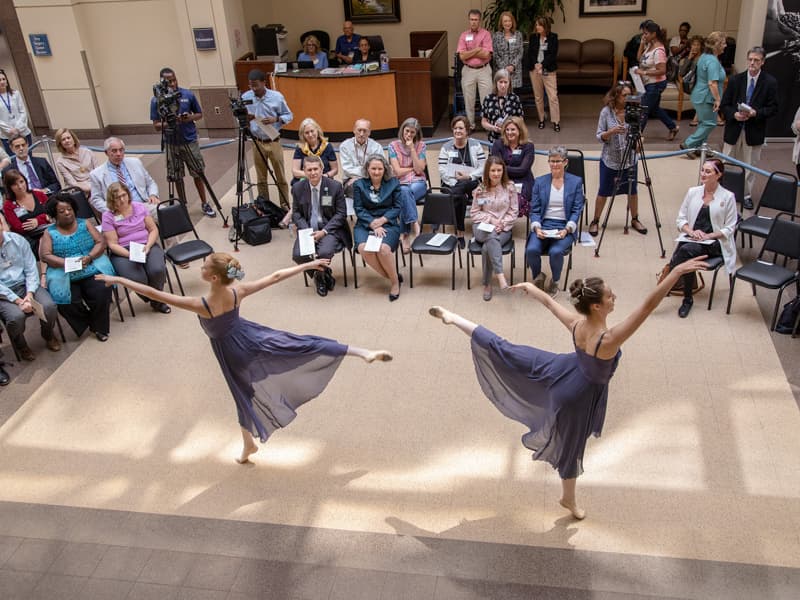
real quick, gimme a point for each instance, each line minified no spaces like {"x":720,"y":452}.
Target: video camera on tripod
{"x":239,"y":110}
{"x":635,"y":113}
{"x":167,"y":102}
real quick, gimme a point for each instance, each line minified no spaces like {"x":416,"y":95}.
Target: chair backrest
{"x":733,"y":180}
{"x":780,"y":193}
{"x":173,"y":219}
{"x":784,"y":236}
{"x":439,"y":209}
{"x":376,"y":43}
{"x":569,"y":51}
{"x":576,"y":165}
{"x":597,"y":52}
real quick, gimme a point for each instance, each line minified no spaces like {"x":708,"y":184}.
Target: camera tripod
{"x":241,"y":171}
{"x":169,"y":136}
{"x":633,"y":145}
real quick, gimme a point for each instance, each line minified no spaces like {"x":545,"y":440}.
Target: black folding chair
{"x":780,"y":194}
{"x":173,"y":220}
{"x":783,"y":239}
{"x":576,"y":165}
{"x":733,"y":179}
{"x":347,"y":254}
{"x":439,"y":212}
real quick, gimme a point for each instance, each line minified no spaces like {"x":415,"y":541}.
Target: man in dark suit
{"x":750,"y":98}
{"x":318,"y":204}
{"x":37,"y":171}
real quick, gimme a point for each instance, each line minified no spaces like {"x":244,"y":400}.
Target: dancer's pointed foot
{"x":249,"y":448}
{"x":440,"y":313}
{"x":578,"y":513}
{"x":380,"y":355}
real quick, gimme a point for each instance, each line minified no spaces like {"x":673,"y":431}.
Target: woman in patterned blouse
{"x":507,"y":48}
{"x":500,"y":105}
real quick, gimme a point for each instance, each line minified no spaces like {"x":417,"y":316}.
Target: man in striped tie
{"x":750,"y":98}
{"x":128,"y":170}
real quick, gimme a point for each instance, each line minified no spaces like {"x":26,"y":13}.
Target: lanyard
{"x":6,"y":98}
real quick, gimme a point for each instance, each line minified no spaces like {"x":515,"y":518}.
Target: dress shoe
{"x":487,"y":293}
{"x":330,"y":280}
{"x":541,"y":124}
{"x":747,"y":203}
{"x":686,"y":306}
{"x":556,"y":127}
{"x":53,"y":344}
{"x":164,"y":309}
{"x":103,"y":337}
{"x":538,"y":281}
{"x":27,"y":354}
{"x":462,"y":242}
{"x":552,"y":289}
{"x":4,"y":376}
{"x":319,"y":283}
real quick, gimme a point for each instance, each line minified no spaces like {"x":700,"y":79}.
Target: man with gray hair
{"x":750,"y":98}
{"x":127,"y":170}
{"x":353,"y":153}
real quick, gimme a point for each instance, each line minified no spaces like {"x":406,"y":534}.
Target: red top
{"x":469,"y":40}
{"x":16,"y":214}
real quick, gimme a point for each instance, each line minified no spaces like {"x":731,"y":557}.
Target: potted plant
{"x":524,"y":11}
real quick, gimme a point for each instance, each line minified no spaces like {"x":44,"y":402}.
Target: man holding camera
{"x":184,"y":148}
{"x":750,"y":98}
{"x":267,"y":110}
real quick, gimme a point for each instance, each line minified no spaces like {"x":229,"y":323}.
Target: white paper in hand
{"x":373,"y":244}
{"x":137,"y":253}
{"x":72,"y":264}
{"x":487,"y":227}
{"x":550,"y":233}
{"x":38,"y":310}
{"x":306,"y":241}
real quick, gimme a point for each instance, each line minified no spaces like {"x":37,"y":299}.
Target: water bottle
{"x":384,"y":61}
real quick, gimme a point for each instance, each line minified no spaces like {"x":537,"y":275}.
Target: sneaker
{"x":208,"y":211}
{"x":539,"y":281}
{"x":552,"y":289}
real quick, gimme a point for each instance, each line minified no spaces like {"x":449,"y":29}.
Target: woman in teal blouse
{"x":707,"y":91}
{"x":377,"y":202}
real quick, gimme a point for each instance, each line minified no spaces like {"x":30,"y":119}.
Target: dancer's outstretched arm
{"x":189,"y":303}
{"x":622,"y":331}
{"x":251,"y":287}
{"x":566,"y":316}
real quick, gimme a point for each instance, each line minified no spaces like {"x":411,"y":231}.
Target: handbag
{"x":673,"y":65}
{"x":267,"y":208}
{"x":677,"y":289}
{"x":258,"y":231}
{"x":689,"y":79}
{"x":241,"y":216}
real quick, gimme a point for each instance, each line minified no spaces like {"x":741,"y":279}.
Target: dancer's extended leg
{"x":568,"y":498}
{"x":369,"y":355}
{"x":449,"y":318}
{"x":249,"y":447}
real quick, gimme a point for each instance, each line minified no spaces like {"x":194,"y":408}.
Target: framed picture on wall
{"x":602,"y":8}
{"x":372,"y":11}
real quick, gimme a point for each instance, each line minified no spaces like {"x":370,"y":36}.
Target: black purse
{"x":258,"y":231}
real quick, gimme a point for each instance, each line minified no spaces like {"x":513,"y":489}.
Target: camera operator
{"x":618,"y":119}
{"x":268,"y":107}
{"x":184,"y":149}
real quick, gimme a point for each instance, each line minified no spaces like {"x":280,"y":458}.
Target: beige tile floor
{"x":697,"y":458}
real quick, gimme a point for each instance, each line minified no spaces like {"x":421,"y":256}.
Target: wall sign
{"x":40,"y":44}
{"x":204,"y":38}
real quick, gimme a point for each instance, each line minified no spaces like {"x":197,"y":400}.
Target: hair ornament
{"x":234,"y":273}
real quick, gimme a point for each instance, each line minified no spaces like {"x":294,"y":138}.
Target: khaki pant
{"x":546,"y":83}
{"x":273,"y":152}
{"x":749,"y":154}
{"x":470,"y":79}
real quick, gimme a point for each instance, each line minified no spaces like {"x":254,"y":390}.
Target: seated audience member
{"x":494,"y":203}
{"x":313,"y":143}
{"x":501,"y":104}
{"x":518,"y":154}
{"x":680,"y":44}
{"x":125,"y":222}
{"x":75,"y":162}
{"x":313,"y":53}
{"x":19,"y":284}
{"x":708,"y":212}
{"x":364,"y":54}
{"x":128,"y":170}
{"x":353,"y":153}
{"x":377,"y":203}
{"x":347,"y":44}
{"x":555,"y":211}
{"x":24,"y":208}
{"x":37,"y":171}
{"x":83,"y":301}
{"x":461,"y":161}
{"x":407,"y":158}
{"x":318,"y":204}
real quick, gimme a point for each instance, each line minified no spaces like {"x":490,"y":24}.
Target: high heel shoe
{"x":393,"y":297}
{"x":594,"y":227}
{"x":541,"y":124}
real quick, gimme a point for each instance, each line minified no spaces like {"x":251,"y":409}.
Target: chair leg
{"x":130,"y":304}
{"x":411,"y":269}
{"x":344,"y":265}
{"x":453,"y":271}
{"x":774,"y":320}
{"x":470,"y":259}
{"x":569,"y":268}
{"x":355,"y":271}
{"x":730,"y":295}
{"x":115,"y":292}
{"x":60,"y":329}
{"x":713,"y":285}
{"x":305,"y":278}
{"x":169,"y":282}
{"x":178,"y":277}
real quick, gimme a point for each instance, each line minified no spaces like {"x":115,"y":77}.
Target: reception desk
{"x":336,"y":101}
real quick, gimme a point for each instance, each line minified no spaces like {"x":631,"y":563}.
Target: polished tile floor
{"x":401,"y":481}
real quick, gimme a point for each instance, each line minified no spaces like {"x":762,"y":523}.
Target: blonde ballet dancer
{"x":561,"y":398}
{"x":269,"y":372}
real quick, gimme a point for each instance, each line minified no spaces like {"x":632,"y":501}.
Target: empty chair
{"x":173,"y":220}
{"x":439,"y":212}
{"x":780,"y":194}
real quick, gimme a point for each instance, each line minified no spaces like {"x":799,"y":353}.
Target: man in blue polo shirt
{"x":347,"y":44}
{"x":185,"y":148}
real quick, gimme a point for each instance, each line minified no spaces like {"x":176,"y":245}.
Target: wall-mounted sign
{"x":40,"y":44}
{"x":204,"y":38}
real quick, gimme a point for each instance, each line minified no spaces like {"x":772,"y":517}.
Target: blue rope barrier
{"x":159,"y":151}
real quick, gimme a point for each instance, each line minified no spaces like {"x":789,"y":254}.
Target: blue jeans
{"x":409,"y":194}
{"x":652,"y":99}
{"x":555,"y":248}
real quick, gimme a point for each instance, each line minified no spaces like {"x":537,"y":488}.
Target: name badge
{"x":327,"y":201}
{"x":19,"y":211}
{"x":543,"y":46}
{"x":512,"y":40}
{"x":118,"y":218}
{"x":469,"y":38}
{"x":516,"y":151}
{"x":453,"y":153}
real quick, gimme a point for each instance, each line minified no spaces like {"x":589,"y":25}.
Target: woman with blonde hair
{"x":269,"y":372}
{"x":313,"y":141}
{"x":507,"y":48}
{"x":518,"y":153}
{"x":313,"y":53}
{"x":707,"y":93}
{"x":75,"y":162}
